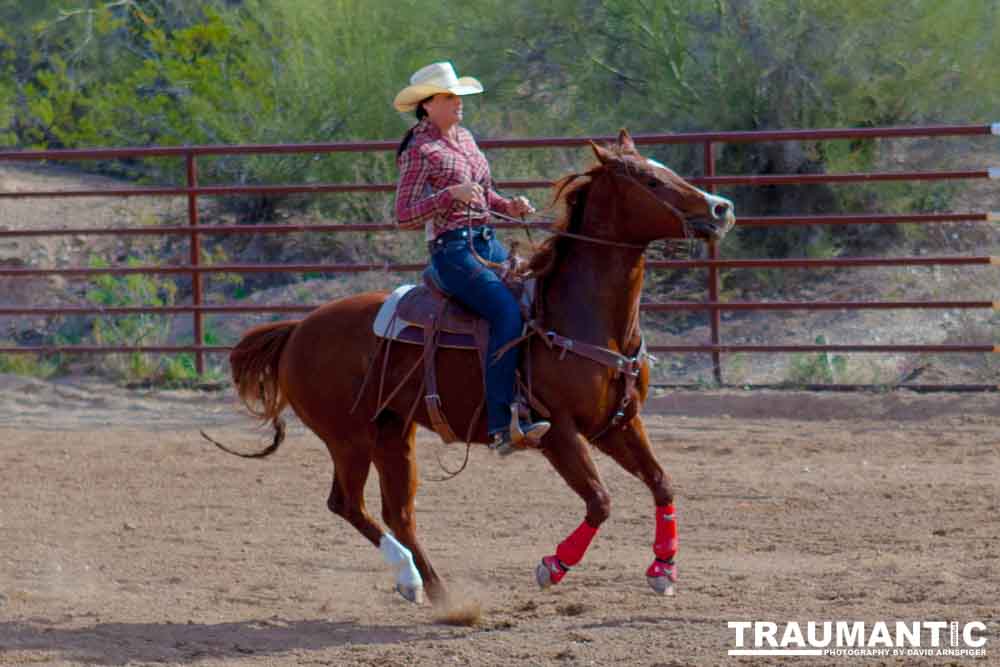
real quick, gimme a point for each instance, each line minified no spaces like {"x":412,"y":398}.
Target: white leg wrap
{"x":400,"y":559}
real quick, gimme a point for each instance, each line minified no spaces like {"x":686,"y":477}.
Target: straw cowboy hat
{"x":431,"y":80}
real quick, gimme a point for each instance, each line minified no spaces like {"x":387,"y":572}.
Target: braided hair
{"x":421,"y":114}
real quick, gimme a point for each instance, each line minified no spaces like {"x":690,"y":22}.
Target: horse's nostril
{"x":720,"y":210}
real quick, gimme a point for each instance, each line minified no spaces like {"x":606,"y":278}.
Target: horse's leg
{"x":347,"y":495}
{"x":566,"y":450}
{"x":631,"y":449}
{"x":396,"y":461}
{"x":352,"y":462}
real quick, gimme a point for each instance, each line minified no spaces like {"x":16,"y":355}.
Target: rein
{"x":687,"y":241}
{"x":556,"y":232}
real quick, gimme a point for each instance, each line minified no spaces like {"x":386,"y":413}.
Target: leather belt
{"x":485,"y":232}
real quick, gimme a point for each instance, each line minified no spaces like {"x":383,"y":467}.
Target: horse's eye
{"x":652,"y":183}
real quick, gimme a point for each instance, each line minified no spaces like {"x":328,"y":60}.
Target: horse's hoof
{"x":414,"y":594}
{"x":662,"y":577}
{"x":543,"y":576}
{"x":549,"y":572}
{"x":661,"y":585}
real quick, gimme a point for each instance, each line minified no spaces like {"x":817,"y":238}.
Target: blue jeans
{"x":480,"y":290}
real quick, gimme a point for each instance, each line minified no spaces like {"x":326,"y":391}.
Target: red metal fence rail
{"x":714,"y":263}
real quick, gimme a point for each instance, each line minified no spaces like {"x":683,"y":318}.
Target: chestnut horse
{"x":589,"y":281}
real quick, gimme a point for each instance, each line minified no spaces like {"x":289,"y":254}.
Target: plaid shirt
{"x":432,"y":163}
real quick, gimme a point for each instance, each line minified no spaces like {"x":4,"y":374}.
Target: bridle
{"x":673,"y":210}
{"x":687,"y":243}
{"x":625,"y":170}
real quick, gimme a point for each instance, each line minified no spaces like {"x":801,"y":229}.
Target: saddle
{"x":413,"y":309}
{"x":426,"y":315}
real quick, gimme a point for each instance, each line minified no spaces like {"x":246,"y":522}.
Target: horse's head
{"x":655,"y":202}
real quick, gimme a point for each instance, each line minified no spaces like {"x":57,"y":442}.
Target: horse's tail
{"x":254,"y":363}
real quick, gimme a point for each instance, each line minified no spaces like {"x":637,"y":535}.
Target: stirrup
{"x":520,"y":434}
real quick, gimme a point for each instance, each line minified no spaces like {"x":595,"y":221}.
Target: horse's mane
{"x":570,"y":195}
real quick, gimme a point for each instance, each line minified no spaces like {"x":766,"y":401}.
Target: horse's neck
{"x":593,"y":295}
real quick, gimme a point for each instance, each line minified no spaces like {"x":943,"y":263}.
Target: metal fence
{"x":714,"y":262}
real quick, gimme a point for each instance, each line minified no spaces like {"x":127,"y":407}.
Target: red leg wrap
{"x":665,"y":545}
{"x":570,"y":551}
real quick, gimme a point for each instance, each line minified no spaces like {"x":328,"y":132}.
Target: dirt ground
{"x":127,"y":539}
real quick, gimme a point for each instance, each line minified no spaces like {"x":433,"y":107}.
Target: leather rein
{"x":670,"y":208}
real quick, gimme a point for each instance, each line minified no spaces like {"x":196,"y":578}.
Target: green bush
{"x":141,"y":329}
{"x":818,"y":368}
{"x":32,"y":365}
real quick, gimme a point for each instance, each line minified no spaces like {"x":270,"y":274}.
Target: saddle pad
{"x":385,"y":314}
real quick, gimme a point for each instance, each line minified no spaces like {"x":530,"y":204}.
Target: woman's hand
{"x":466,"y":192}
{"x":520,"y":207}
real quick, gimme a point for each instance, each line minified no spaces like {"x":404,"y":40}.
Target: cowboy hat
{"x":431,"y":80}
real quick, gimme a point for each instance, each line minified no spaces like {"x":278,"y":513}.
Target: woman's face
{"x":444,"y":110}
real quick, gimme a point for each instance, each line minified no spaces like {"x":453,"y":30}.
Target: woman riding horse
{"x":445,"y":187}
{"x":588,"y":363}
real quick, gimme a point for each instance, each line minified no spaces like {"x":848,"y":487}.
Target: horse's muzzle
{"x":711,"y":229}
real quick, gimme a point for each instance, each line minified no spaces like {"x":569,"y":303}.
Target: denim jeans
{"x":480,"y":290}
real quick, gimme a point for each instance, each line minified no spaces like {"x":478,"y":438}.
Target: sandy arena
{"x":127,"y":539}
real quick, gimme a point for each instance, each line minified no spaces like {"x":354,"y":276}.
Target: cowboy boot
{"x":522,"y":434}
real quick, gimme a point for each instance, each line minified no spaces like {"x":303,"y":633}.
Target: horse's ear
{"x":603,"y":154}
{"x":625,"y":141}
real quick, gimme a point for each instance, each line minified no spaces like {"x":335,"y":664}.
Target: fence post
{"x":715,"y":318}
{"x":196,"y":288}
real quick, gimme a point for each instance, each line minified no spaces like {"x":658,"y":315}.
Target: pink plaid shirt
{"x":432,"y":163}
